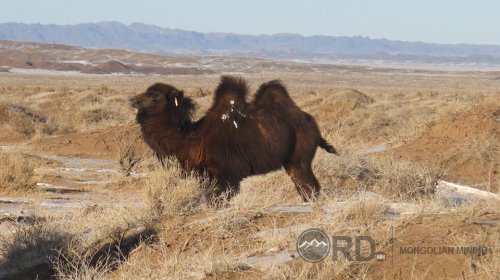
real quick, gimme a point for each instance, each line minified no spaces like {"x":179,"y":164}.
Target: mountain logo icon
{"x":313,"y":245}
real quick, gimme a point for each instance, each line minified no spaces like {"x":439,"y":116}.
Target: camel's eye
{"x":153,"y":95}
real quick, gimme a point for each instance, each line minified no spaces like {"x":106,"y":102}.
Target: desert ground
{"x":82,"y":197}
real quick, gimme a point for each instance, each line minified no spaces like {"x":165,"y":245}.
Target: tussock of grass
{"x":402,"y":179}
{"x":23,"y":124}
{"x":16,"y":173}
{"x":127,"y":154}
{"x":28,"y":122}
{"x":172,"y":192}
{"x":97,"y":115}
{"x":362,"y":212}
{"x":22,"y":119}
{"x":198,"y":265}
{"x":92,"y":99}
{"x":265,"y":191}
{"x":35,"y":244}
{"x":396,"y":179}
{"x":79,"y":245}
{"x":51,"y":128}
{"x":81,"y":268}
{"x":324,"y":270}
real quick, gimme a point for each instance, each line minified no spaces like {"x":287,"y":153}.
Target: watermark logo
{"x":445,"y":250}
{"x":380,"y":256}
{"x":345,"y":244}
{"x":313,"y":245}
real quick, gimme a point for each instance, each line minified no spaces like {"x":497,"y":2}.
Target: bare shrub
{"x":127,"y":155}
{"x":79,"y":244}
{"x":16,"y":173}
{"x":33,"y":245}
{"x":81,"y":268}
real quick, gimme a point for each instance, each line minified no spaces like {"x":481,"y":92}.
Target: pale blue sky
{"x":440,"y":21}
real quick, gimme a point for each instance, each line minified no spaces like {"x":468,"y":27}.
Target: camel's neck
{"x":167,"y":139}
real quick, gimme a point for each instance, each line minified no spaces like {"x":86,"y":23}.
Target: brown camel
{"x":235,"y":139}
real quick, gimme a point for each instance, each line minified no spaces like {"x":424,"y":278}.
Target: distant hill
{"x":26,"y":56}
{"x":43,"y":58}
{"x":154,"y":39}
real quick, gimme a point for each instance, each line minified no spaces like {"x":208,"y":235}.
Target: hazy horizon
{"x":442,"y":21}
{"x":258,"y":34}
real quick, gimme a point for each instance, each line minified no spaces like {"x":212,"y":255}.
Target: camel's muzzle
{"x":134,"y":102}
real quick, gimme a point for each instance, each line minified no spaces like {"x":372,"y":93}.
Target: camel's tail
{"x":327,"y":146}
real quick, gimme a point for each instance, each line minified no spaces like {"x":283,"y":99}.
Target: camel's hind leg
{"x":299,"y":167}
{"x":305,"y":182}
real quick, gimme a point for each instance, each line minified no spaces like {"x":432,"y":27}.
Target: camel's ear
{"x":177,"y":96}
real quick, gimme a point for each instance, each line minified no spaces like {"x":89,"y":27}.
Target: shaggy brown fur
{"x":235,"y":139}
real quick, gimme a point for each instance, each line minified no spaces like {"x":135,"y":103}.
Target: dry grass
{"x":35,"y":244}
{"x":65,"y":109}
{"x":22,"y":124}
{"x":262,"y":192}
{"x":395,"y":179}
{"x":128,"y":156}
{"x":82,"y":268}
{"x":79,"y":245}
{"x":98,"y":115}
{"x":171,"y":192}
{"x":221,"y":239}
{"x":355,"y":110}
{"x":16,"y":173}
{"x":402,"y":179}
{"x":475,"y":154}
{"x":216,"y":245}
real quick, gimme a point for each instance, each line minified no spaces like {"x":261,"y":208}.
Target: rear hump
{"x":273,"y":93}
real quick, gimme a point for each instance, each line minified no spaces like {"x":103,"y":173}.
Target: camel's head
{"x":163,"y":99}
{"x":157,"y":98}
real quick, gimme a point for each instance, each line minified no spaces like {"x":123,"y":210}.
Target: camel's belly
{"x":258,"y":145}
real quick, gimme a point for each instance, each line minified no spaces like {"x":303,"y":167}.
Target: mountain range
{"x":154,"y":39}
